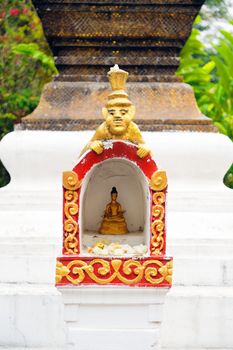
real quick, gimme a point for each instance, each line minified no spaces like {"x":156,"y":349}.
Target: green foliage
{"x":26,"y":64}
{"x":212,"y":11}
{"x":210,"y":72}
{"x":33,"y":51}
{"x":228,"y":178}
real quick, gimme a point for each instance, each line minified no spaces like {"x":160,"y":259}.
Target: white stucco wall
{"x":198,"y":309}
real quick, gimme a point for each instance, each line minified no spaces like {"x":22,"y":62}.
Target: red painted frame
{"x":128,"y":151}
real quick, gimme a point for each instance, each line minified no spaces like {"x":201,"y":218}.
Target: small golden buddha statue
{"x":113,"y":222}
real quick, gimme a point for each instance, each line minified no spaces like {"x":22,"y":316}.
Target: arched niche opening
{"x":133,"y":195}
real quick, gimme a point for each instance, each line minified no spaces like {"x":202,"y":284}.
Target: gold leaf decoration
{"x":71,"y":244}
{"x":157,"y":226}
{"x":158,"y":211}
{"x":158,"y":181}
{"x":166,"y":271}
{"x":108,"y":271}
{"x":158,"y":198}
{"x":157,"y":240}
{"x":61,"y":271}
{"x":71,"y":181}
{"x":70,"y":224}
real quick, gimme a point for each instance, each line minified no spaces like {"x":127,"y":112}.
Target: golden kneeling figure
{"x":113,"y":221}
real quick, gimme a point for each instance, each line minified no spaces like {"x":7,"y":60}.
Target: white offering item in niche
{"x":115,"y":249}
{"x":90,"y":239}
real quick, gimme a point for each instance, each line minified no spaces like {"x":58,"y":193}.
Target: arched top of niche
{"x":115,"y":149}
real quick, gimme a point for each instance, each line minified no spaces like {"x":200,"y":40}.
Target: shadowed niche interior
{"x":133,"y":196}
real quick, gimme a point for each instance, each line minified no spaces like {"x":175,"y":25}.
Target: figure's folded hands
{"x":143,"y":150}
{"x":97,"y":147}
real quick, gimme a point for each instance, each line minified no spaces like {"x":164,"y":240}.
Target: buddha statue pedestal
{"x":113,"y":318}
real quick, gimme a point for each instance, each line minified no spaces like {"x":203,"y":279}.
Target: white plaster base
{"x":198,"y":318}
{"x":115,"y":318}
{"x":198,"y":309}
{"x":31,"y":316}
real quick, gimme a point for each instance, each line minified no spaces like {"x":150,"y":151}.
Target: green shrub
{"x":26,"y":64}
{"x":210,"y":72}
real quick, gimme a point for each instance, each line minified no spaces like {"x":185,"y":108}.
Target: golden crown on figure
{"x":117,"y":78}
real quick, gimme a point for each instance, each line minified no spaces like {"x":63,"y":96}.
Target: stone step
{"x":28,"y":269}
{"x":200,"y":247}
{"x":31,"y":317}
{"x":203,"y":271}
{"x":30,"y":348}
{"x":176,"y":250}
{"x":32,"y":260}
{"x":198,"y":318}
{"x":56,"y":348}
{"x":188,"y":271}
{"x":178,"y":247}
{"x":163,"y":348}
{"x":30,"y":247}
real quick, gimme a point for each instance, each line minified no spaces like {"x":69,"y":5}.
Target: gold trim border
{"x":71,"y":184}
{"x":158,"y":181}
{"x":107,"y":271}
{"x":158,"y":226}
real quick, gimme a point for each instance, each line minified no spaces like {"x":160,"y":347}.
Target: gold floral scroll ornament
{"x":108,"y":271}
{"x":71,"y":180}
{"x":71,"y":183}
{"x":157,"y":226}
{"x":157,"y":240}
{"x":158,"y":181}
{"x":61,"y":271}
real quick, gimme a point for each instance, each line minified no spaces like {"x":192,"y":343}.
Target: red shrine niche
{"x":90,"y":257}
